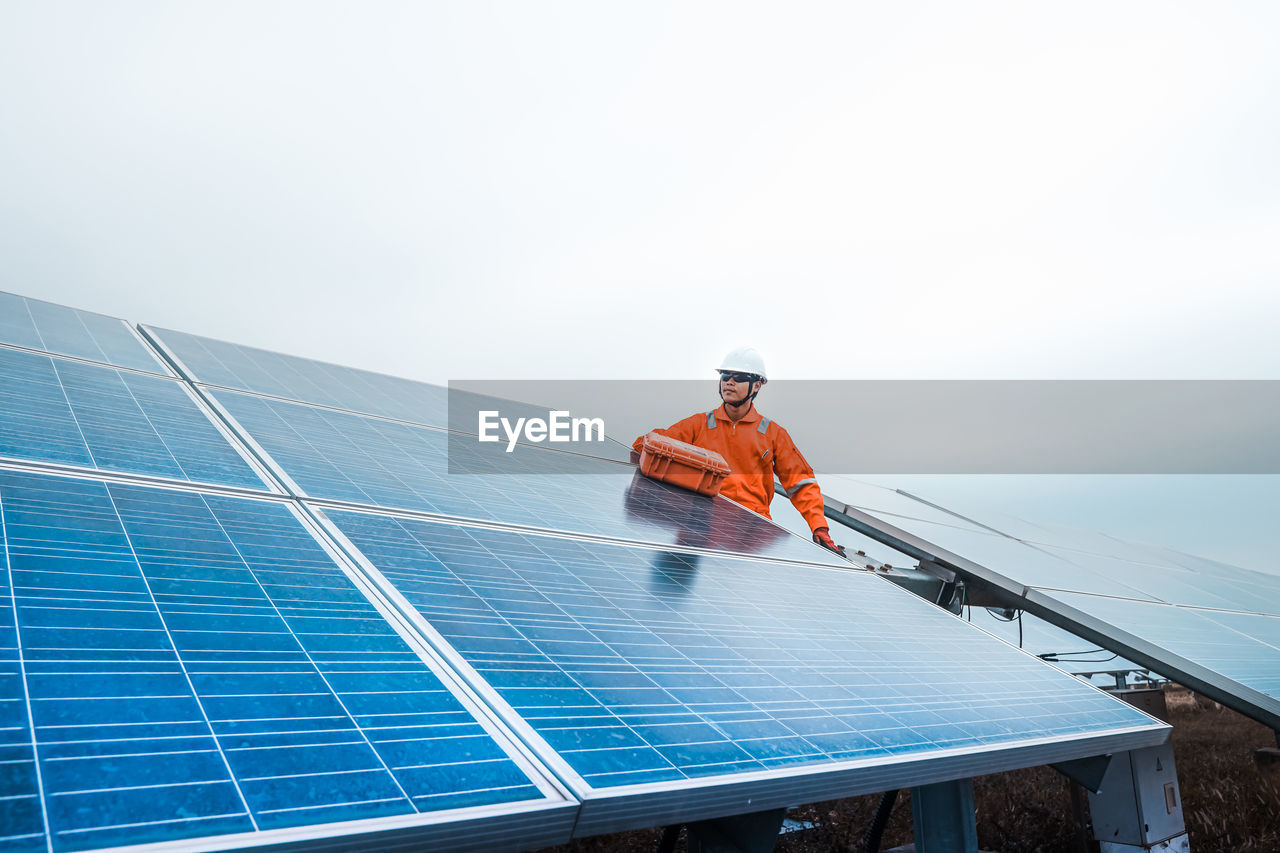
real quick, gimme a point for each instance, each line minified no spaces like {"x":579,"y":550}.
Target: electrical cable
{"x":1058,"y":656}
{"x":871,"y":842}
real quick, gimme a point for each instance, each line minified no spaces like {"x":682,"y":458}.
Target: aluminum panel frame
{"x":667,"y":804}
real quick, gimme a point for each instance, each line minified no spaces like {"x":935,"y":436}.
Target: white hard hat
{"x":745,"y":360}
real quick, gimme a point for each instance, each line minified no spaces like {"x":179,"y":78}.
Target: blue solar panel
{"x":1244,"y":647}
{"x":55,"y":328}
{"x":192,"y":665}
{"x":1094,"y":563}
{"x":1028,"y":564}
{"x":646,"y":666}
{"x":1143,"y":581}
{"x":1167,"y":611}
{"x":1107,"y":565}
{"x":214,"y":362}
{"x":885,"y":501}
{"x":347,"y":457}
{"x":1244,"y":589}
{"x":72,"y":413}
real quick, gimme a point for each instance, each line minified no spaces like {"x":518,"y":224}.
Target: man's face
{"x":732,"y":390}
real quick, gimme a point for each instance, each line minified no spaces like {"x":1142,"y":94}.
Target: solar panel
{"x":219,"y":364}
{"x":200,"y":667}
{"x":196,"y":666}
{"x":1148,"y":604}
{"x":886,"y":501}
{"x":1247,"y":590}
{"x":1169,"y":584}
{"x":665,"y":685}
{"x":1159,"y":573}
{"x":342,"y":456}
{"x":44,"y":326}
{"x":245,"y":368}
{"x":1105,"y":565}
{"x":71,"y":413}
{"x":1060,"y":648}
{"x":1243,"y":647}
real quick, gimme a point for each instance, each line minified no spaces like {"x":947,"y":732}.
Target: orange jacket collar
{"x":749,"y":418}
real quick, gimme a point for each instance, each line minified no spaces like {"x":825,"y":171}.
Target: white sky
{"x":588,"y":190}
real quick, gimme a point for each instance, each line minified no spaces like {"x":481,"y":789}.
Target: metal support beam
{"x":745,"y":833}
{"x":1086,"y":772}
{"x":943,"y":818}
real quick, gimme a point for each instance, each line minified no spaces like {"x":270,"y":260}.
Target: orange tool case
{"x":685,"y":465}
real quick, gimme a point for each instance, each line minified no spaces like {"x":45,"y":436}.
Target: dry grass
{"x":1227,"y":801}
{"x":1230,"y":805}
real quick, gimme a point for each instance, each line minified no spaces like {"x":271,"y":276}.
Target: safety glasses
{"x":737,"y":377}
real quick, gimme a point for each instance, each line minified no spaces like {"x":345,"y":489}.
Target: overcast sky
{"x":592,"y":190}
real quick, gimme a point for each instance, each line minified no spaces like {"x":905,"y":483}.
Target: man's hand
{"x":823,"y":537}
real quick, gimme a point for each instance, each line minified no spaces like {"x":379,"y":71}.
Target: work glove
{"x":823,"y":537}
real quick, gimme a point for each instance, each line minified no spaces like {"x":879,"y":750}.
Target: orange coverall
{"x":755,"y":448}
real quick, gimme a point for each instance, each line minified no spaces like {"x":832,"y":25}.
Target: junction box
{"x":1138,"y":806}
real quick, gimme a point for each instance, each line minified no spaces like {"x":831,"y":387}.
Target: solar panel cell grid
{"x":97,"y":417}
{"x":641,"y":666}
{"x":55,"y":328}
{"x":198,"y":665}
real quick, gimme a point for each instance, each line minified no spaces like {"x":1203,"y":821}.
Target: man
{"x":755,"y":447}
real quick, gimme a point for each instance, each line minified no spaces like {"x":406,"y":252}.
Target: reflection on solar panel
{"x":72,"y":413}
{"x":671,"y":671}
{"x":55,"y":328}
{"x":194,"y":666}
{"x":346,"y":457}
{"x":244,"y":368}
{"x":1206,"y":624}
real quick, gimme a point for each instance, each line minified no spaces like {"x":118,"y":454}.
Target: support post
{"x":756,"y":832}
{"x":943,"y":817}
